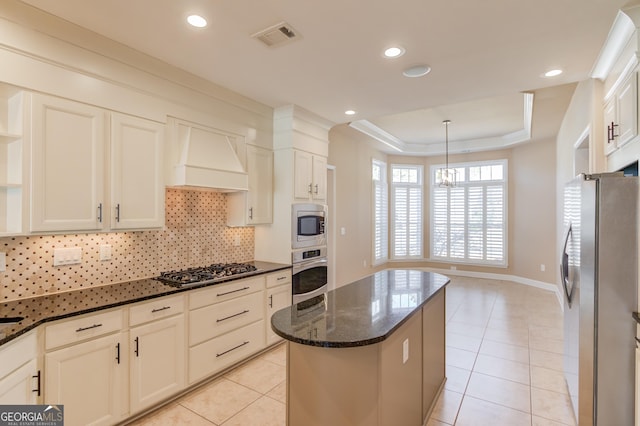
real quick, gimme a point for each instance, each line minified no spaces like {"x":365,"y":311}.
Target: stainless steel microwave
{"x":308,"y":225}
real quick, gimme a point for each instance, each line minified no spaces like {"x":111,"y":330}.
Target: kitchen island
{"x":369,"y":353}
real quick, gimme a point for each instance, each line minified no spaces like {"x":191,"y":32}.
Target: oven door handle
{"x":303,"y":266}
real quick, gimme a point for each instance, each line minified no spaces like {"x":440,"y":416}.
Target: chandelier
{"x":447,"y":177}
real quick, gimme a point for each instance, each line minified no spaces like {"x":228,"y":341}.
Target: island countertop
{"x":364,"y":312}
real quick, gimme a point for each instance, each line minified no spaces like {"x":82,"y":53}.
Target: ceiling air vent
{"x":277,"y":35}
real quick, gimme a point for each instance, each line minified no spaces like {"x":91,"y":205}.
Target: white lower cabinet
{"x":221,"y":352}
{"x":107,"y":366}
{"x":157,"y":361}
{"x":226,"y":324}
{"x":20,"y":375}
{"x":90,"y":380}
{"x":278,"y":296}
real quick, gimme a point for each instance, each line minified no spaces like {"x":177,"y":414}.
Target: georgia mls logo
{"x":31,"y":415}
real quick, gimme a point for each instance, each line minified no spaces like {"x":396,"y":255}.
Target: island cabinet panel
{"x":433,"y":351}
{"x":400,"y":375}
{"x":331,"y":386}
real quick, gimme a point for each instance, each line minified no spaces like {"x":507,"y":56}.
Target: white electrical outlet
{"x":453,"y":268}
{"x":405,"y":351}
{"x":67,"y":256}
{"x":543,"y":267}
{"x":343,"y":231}
{"x":3,"y":261}
{"x":236,"y":240}
{"x":105,"y":252}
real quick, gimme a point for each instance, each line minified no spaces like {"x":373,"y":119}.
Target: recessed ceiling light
{"x":553,"y":73}
{"x":416,"y":71}
{"x":350,"y":112}
{"x":394,"y":52}
{"x":197,"y":21}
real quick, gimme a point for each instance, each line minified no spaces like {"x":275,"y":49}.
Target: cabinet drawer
{"x":216,"y":354}
{"x":83,"y":328}
{"x":222,"y":292}
{"x":214,"y":320}
{"x":18,"y":352}
{"x":279,"y":278}
{"x":156,"y":309}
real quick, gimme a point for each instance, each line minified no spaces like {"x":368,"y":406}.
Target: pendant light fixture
{"x":447,"y":177}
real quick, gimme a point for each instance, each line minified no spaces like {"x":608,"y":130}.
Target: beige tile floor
{"x":504,"y":367}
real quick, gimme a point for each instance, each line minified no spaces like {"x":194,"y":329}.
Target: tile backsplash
{"x":195,"y":234}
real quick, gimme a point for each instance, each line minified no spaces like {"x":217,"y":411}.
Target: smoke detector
{"x":277,"y":35}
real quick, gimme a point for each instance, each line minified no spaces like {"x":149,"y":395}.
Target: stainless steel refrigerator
{"x":599,"y":270}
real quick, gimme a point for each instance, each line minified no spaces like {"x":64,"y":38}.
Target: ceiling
{"x":486,"y":58}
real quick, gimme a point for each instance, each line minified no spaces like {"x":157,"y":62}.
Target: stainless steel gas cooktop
{"x":205,"y":274}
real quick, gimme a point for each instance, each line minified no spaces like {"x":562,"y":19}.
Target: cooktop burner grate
{"x":205,"y":274}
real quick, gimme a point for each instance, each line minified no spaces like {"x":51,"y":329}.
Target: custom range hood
{"x":204,"y":158}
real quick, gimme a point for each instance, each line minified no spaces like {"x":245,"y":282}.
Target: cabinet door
{"x":90,"y":379}
{"x":21,"y":386}
{"x":277,"y":298}
{"x":137,"y":183}
{"x":302,"y":176}
{"x":260,"y":195}
{"x":319,"y":189}
{"x":627,"y":111}
{"x":68,"y":153}
{"x":157,"y":363}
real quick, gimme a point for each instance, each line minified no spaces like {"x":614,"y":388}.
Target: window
{"x":468,"y":222}
{"x":406,"y":210}
{"x":380,"y":212}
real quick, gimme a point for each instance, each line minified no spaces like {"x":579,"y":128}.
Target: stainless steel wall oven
{"x":309,"y":277}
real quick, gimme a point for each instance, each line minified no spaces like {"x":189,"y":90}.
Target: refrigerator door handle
{"x":564,"y":268}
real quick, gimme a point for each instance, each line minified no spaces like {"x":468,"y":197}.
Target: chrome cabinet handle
{"x":316,"y":189}
{"x":309,"y":188}
{"x":118,"y":352}
{"x":117,"y":212}
{"x":233,"y":316}
{"x":250,"y":212}
{"x":137,"y":349}
{"x":271,"y":300}
{"x":100,"y":212}
{"x":164,"y":308}
{"x":232,"y":349}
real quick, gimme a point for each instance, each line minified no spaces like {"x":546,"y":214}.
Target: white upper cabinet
{"x":621,"y":115}
{"x":310,"y":176}
{"x":68,"y":156}
{"x":11,"y":161}
{"x":70,"y":147}
{"x":255,"y":206}
{"x":137,"y":182}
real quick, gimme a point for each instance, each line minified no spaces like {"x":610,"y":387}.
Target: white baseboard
{"x":504,"y":277}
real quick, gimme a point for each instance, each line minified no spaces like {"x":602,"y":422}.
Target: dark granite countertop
{"x":362,"y":313}
{"x":41,"y":309}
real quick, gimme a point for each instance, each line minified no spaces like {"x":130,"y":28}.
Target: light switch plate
{"x":405,"y":351}
{"x":3,"y":261}
{"x":67,"y":256}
